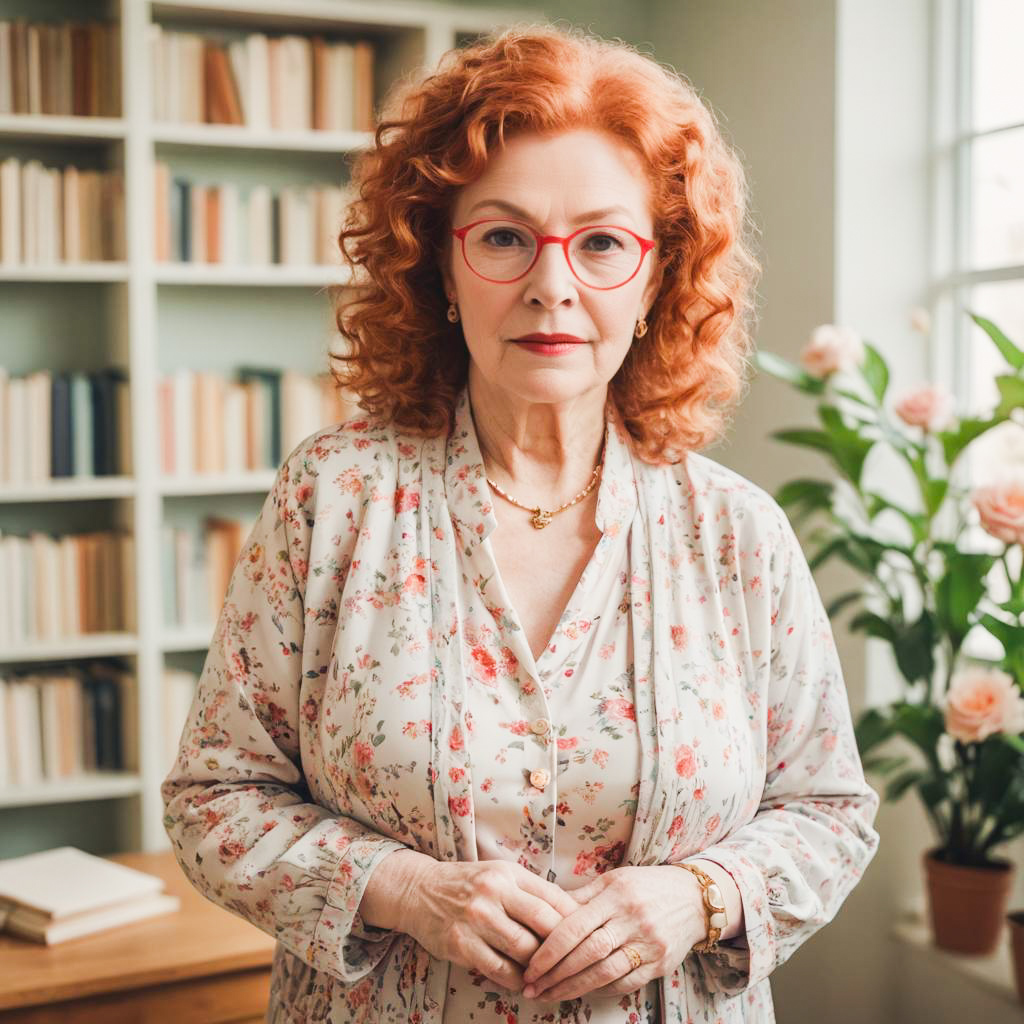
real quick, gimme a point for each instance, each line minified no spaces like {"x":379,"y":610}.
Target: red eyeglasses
{"x":600,"y":256}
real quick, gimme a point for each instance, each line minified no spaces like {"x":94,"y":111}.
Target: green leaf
{"x":875,"y":372}
{"x":873,"y":727}
{"x":955,"y":441}
{"x":995,"y":764}
{"x":848,"y":448}
{"x":898,"y":786}
{"x":913,"y":646}
{"x":934,"y":790}
{"x":839,"y":603}
{"x":1011,"y":395}
{"x":884,"y":764}
{"x":873,"y":625}
{"x":854,"y":397}
{"x":959,"y":590}
{"x":785,"y":370}
{"x":1013,"y":355}
{"x":1011,"y":739}
{"x":805,"y":491}
{"x":922,"y":724}
{"x":825,"y":552}
{"x":918,"y":523}
{"x":807,"y":438}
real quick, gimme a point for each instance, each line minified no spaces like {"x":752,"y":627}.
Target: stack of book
{"x":66,"y":893}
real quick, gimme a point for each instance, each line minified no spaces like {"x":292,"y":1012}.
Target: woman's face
{"x":558,"y":183}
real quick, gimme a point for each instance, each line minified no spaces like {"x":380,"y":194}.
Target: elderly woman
{"x":518,"y":707}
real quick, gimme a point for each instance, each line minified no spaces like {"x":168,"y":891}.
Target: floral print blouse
{"x":369,"y":689}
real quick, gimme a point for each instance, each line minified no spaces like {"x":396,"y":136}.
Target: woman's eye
{"x":600,"y":239}
{"x":502,"y":237}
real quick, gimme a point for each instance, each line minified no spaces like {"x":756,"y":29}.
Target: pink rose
{"x":929,"y":406}
{"x":686,"y":763}
{"x":830,"y":349}
{"x":619,"y":708}
{"x":982,"y":701}
{"x":1001,"y":508}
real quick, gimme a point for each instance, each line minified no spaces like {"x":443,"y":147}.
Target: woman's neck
{"x":539,"y":452}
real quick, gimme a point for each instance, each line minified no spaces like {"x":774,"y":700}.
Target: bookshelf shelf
{"x":66,"y":489}
{"x":191,"y":638}
{"x":93,"y":786}
{"x":61,"y":129}
{"x":65,"y":272}
{"x":88,"y":645}
{"x":239,"y":137}
{"x":275,"y":276}
{"x":300,"y":15}
{"x":256,"y":482}
{"x":163,"y":317}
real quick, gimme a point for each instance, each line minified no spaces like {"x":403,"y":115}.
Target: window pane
{"x":1003,"y":304}
{"x":997,"y":200}
{"x":998,"y":68}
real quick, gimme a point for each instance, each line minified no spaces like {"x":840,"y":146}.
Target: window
{"x":980,"y":215}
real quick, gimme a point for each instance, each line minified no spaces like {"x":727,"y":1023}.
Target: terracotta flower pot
{"x":967,"y":905}
{"x":1015,"y":919}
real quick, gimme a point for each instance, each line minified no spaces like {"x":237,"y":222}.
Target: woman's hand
{"x":657,"y":910}
{"x":488,"y":915}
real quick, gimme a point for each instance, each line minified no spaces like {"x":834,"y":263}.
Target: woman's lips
{"x":549,"y":344}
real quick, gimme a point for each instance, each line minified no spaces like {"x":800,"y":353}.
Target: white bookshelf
{"x":154,"y":317}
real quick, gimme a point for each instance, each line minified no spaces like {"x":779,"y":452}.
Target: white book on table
{"x":65,"y":881}
{"x":63,"y":893}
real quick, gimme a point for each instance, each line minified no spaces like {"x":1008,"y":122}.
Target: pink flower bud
{"x":929,"y":406}
{"x":832,"y":348}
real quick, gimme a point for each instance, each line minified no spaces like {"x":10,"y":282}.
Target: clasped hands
{"x":529,"y":935}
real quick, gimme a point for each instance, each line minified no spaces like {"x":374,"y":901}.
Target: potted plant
{"x":926,"y":586}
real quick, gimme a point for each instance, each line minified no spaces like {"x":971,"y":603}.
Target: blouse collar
{"x":469,"y":495}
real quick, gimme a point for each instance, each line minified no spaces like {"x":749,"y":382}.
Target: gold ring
{"x":635,"y":959}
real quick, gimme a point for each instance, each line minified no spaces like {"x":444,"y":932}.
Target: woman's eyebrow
{"x":590,"y":217}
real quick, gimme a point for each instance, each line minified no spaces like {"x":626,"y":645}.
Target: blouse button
{"x":541,"y":726}
{"x":539,"y":779}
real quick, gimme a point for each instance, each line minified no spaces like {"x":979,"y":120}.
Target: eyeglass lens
{"x":600,"y":256}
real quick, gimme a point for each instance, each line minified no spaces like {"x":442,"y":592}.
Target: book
{"x":64,"y":893}
{"x":53,"y":932}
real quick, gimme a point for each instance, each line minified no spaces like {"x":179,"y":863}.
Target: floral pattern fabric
{"x":369,"y":689}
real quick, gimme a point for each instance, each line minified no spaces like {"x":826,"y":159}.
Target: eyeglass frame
{"x":646,"y":245}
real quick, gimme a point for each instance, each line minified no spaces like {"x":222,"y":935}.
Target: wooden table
{"x":201,"y":965}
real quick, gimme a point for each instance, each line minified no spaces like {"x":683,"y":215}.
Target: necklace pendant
{"x":540,"y":519}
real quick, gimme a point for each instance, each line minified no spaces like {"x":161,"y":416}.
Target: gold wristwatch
{"x":714,"y":907}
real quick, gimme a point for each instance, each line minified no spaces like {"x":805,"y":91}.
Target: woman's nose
{"x":551,"y":279}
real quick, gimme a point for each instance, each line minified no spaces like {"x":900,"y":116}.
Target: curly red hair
{"x":406,"y":363}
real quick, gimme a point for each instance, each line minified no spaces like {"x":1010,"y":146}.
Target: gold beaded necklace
{"x":542,"y":517}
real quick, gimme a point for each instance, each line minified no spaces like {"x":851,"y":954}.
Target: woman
{"x":503,"y":655}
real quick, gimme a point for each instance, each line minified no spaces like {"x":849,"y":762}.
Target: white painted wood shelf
{"x":273,"y":276}
{"x":239,"y":137}
{"x":255,"y":482}
{"x":64,"y":648}
{"x":69,"y":489}
{"x":146,"y":300}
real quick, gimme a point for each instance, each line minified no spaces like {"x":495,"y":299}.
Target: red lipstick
{"x":549,"y":344}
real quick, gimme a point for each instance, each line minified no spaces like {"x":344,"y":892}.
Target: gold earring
{"x":641,"y":328}
{"x":453,"y":312}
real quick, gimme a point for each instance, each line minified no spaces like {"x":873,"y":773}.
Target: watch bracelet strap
{"x":706,"y":881}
